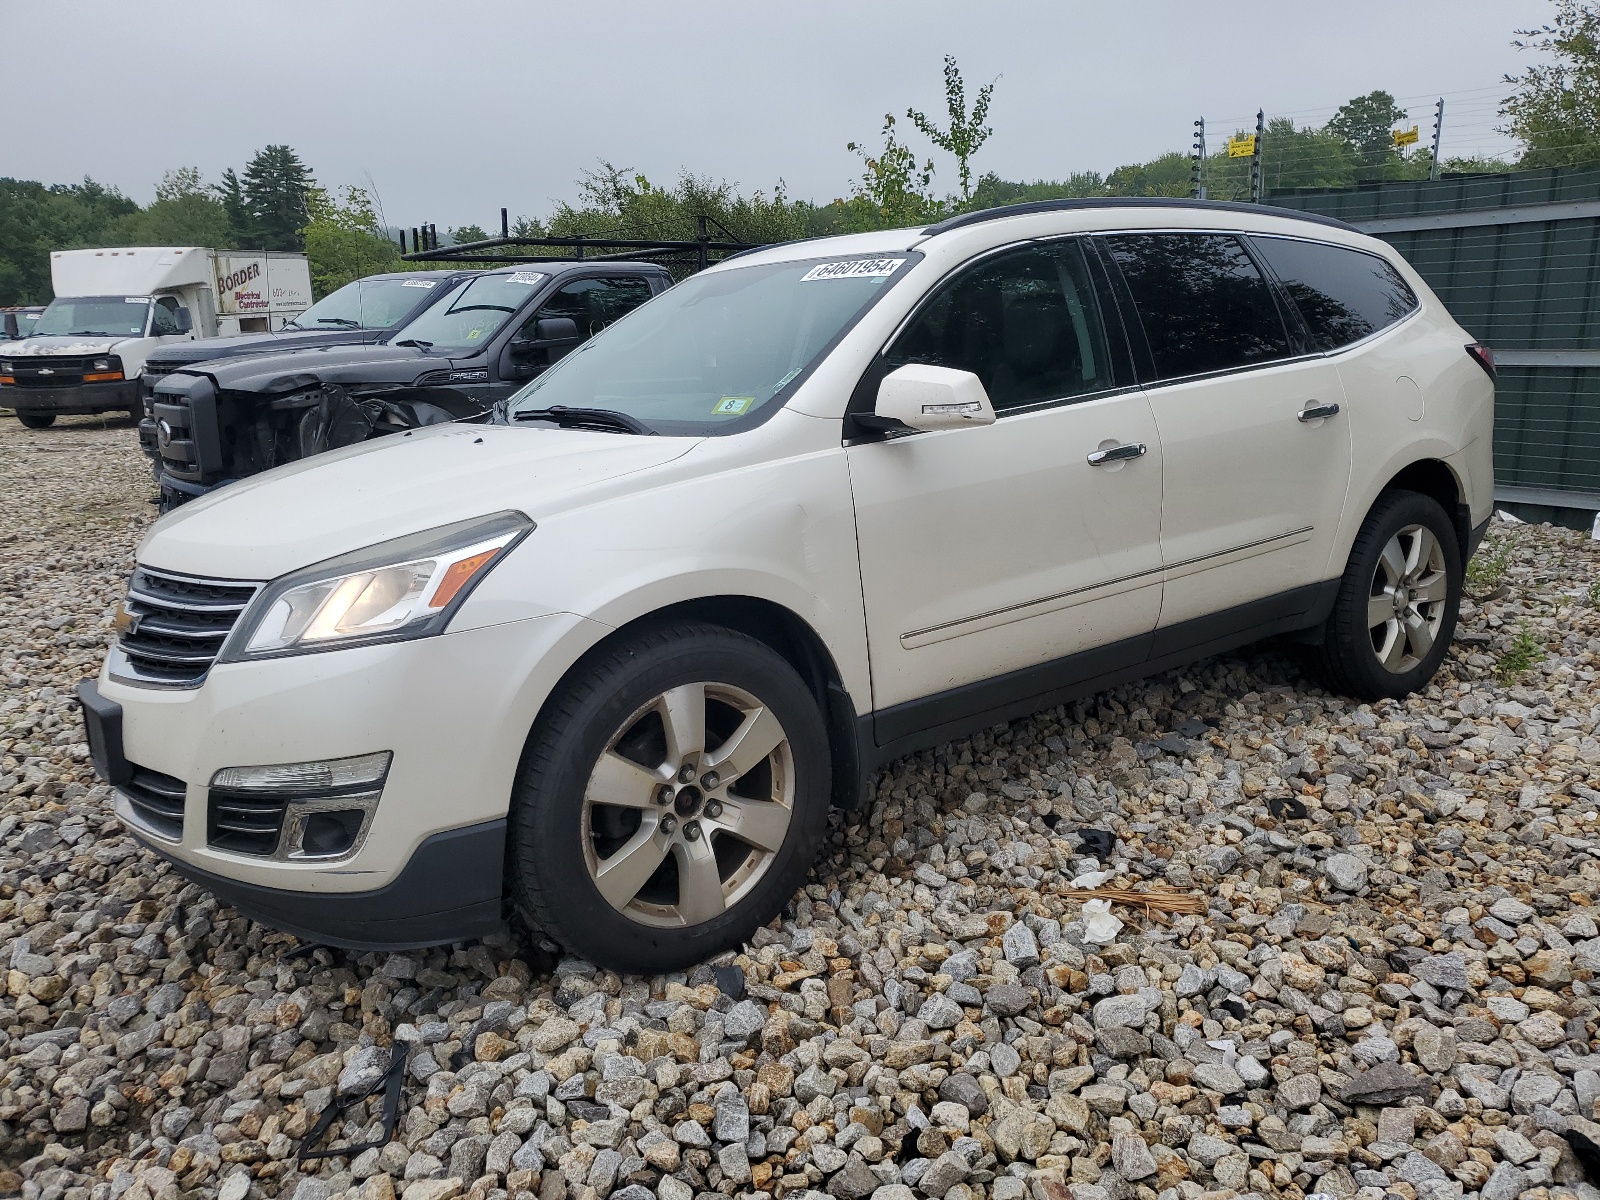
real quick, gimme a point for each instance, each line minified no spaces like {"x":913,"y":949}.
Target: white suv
{"x":608,"y":663}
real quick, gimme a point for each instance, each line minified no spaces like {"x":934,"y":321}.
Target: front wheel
{"x":37,"y":420}
{"x":1395,"y":614}
{"x":671,"y":800}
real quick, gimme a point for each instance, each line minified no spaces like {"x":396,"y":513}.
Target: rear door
{"x":993,"y":558}
{"x":1254,"y":479}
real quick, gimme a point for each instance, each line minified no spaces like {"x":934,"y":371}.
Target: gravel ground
{"x":1391,"y":993}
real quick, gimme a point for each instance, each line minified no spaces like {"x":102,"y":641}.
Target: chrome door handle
{"x":1313,"y":412}
{"x":1117,"y":454}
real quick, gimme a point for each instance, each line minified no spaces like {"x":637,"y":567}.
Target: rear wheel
{"x":671,"y":800}
{"x":37,"y":420}
{"x":1395,"y":614}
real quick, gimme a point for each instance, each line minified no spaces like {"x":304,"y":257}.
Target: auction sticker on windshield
{"x":419,"y":283}
{"x":856,"y":268}
{"x":527,"y":277}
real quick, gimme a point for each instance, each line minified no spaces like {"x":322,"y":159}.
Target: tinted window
{"x":1204,"y":305}
{"x":594,"y":303}
{"x":1025,"y":323}
{"x":1343,"y":294}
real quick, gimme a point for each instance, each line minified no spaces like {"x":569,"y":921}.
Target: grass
{"x":1594,"y":593}
{"x":1525,"y":651}
{"x":1487,"y":568}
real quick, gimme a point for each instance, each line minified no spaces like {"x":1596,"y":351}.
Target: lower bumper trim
{"x":450,"y":891}
{"x":122,"y":396}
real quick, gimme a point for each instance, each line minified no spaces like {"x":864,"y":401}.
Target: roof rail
{"x":1042,"y":206}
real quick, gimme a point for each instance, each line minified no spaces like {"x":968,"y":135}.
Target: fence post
{"x":1255,"y":158}
{"x":701,"y":237}
{"x":505,"y":224}
{"x":1438,"y":133}
{"x":1197,"y":162}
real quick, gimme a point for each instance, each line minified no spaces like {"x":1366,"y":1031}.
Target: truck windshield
{"x":465,"y":322}
{"x":710,"y":355}
{"x":365,"y":304}
{"x":94,"y":316}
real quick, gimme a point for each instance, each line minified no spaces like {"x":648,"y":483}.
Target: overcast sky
{"x":454,"y":109}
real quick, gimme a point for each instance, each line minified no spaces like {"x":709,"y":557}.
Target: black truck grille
{"x":175,"y":624}
{"x":244,"y":824}
{"x":47,"y":372}
{"x":157,"y":801}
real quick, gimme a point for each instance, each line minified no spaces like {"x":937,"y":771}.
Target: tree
{"x":343,"y":239}
{"x":230,"y":194}
{"x":1164,"y":176}
{"x":185,"y":213}
{"x":1555,"y":111}
{"x":1365,"y":124}
{"x":36,"y":219}
{"x":468,"y":233}
{"x":966,"y":134}
{"x":893,"y":190}
{"x":277,"y":188}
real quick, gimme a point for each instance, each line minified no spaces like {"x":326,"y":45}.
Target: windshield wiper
{"x":606,"y":418}
{"x":417,"y":342}
{"x":342,"y":322}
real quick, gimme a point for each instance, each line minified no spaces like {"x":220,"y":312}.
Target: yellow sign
{"x":1405,"y":137}
{"x":1242,"y":146}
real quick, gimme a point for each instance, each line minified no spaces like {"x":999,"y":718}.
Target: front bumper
{"x":122,"y":396}
{"x":455,"y":710}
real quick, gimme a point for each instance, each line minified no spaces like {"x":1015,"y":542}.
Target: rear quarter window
{"x":1344,"y":295}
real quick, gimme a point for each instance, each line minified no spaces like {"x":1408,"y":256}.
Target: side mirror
{"x":922,"y":397}
{"x":8,"y":327}
{"x":548,"y":333}
{"x":185,"y":321}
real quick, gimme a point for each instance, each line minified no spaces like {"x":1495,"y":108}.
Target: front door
{"x":988,"y":553}
{"x":1254,"y":478}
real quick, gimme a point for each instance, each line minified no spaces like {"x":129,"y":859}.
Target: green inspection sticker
{"x":733,"y":406}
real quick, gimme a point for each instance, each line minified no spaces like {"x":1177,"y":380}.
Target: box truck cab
{"x":113,"y":306}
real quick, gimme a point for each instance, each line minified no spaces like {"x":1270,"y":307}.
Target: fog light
{"x":296,"y":811}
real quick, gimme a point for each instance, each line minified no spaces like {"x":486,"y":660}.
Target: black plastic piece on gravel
{"x":730,"y":982}
{"x":1098,"y":842}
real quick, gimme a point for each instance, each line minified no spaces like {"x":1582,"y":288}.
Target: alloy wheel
{"x":688,"y":805}
{"x":1406,"y":603}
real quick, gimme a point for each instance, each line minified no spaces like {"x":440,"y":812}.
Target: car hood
{"x":275,"y":374}
{"x":207,"y":349}
{"x":61,"y":344}
{"x":304,"y":512}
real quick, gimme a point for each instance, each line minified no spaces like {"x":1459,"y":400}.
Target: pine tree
{"x":230,"y":194}
{"x":276,"y":185}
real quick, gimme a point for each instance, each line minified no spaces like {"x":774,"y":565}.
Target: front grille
{"x":178,"y":624}
{"x":41,"y":372}
{"x":157,"y":801}
{"x":244,"y":823}
{"x":155,"y":370}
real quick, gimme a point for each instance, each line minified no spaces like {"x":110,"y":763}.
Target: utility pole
{"x":1438,"y":134}
{"x":1255,"y":158}
{"x":1197,"y":162}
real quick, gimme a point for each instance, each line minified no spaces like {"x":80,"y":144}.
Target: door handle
{"x":1117,"y":454}
{"x":1314,"y":412}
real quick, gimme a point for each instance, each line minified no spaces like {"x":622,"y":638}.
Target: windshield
{"x":366,"y":304}
{"x":465,"y":323}
{"x":716,"y":348}
{"x":94,"y":316}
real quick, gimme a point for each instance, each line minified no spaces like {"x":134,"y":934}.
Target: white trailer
{"x":114,"y":305}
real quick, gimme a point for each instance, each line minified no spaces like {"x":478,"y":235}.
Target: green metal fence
{"x":1516,"y":258}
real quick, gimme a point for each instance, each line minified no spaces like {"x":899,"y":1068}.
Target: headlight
{"x":407,"y":588}
{"x":102,"y":364}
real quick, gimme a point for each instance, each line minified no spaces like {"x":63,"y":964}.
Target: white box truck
{"x":113,"y":306}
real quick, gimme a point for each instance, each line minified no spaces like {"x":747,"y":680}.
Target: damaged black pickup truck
{"x":220,"y":421}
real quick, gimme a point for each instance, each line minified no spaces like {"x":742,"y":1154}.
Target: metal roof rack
{"x":1042,"y":206}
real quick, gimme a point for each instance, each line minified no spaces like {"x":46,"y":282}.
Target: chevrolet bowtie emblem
{"x":126,"y":622}
{"x":46,"y":371}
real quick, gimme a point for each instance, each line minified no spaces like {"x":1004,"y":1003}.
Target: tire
{"x":37,"y":420}
{"x":1395,"y":613}
{"x":629,"y":886}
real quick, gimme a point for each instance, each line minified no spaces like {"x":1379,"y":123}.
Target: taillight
{"x":1483,"y":356}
